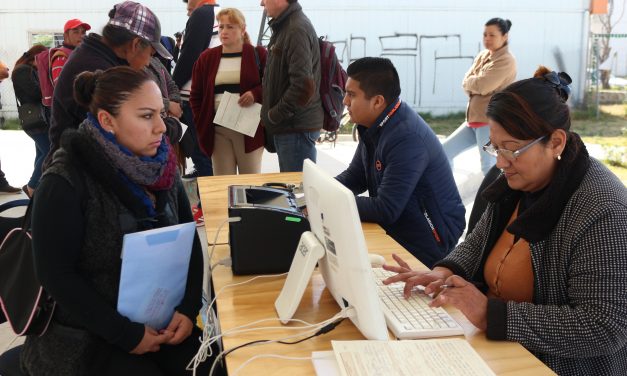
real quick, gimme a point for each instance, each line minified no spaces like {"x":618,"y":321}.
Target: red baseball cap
{"x":74,"y":23}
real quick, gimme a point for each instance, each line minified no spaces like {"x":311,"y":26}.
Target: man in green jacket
{"x":291,"y":111}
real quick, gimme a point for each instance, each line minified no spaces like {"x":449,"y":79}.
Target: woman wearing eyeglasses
{"x":546,"y":265}
{"x":492,"y":70}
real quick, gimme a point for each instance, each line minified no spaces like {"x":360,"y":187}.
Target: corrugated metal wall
{"x":443,"y":38}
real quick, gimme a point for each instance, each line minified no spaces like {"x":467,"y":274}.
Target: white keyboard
{"x":412,"y":318}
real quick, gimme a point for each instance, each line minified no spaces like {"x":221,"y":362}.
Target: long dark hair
{"x":107,"y":90}
{"x":28,"y":57}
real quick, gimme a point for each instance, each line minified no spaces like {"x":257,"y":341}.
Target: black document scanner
{"x":264,"y":240}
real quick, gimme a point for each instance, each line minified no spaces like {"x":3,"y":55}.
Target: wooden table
{"x":255,"y":301}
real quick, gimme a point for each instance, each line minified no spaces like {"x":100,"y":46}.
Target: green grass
{"x":11,"y":124}
{"x":446,"y":124}
{"x":586,"y":124}
{"x":619,"y":171}
{"x":609,"y":131}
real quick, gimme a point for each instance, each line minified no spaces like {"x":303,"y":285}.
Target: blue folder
{"x":154,"y":273}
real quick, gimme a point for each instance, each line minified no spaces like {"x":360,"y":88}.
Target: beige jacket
{"x":487,"y":75}
{"x":4,"y":71}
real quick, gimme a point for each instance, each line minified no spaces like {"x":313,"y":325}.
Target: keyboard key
{"x":412,"y":318}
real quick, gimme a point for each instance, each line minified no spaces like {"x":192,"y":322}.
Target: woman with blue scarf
{"x":115,"y":175}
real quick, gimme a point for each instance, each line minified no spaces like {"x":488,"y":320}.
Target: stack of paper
{"x":421,"y":357}
{"x":233,"y":116}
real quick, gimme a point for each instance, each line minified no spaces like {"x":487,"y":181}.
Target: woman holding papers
{"x":546,"y":264}
{"x":235,"y":67}
{"x":115,"y":175}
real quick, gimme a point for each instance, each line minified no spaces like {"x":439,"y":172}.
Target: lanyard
{"x":389,"y":115}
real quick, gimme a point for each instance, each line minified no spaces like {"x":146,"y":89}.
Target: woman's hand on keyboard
{"x":431,"y":280}
{"x":464,"y":296}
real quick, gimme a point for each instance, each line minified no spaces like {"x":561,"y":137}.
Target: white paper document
{"x":233,"y":116}
{"x":154,"y":273}
{"x":183,"y":130}
{"x":324,"y":363}
{"x":420,"y":357}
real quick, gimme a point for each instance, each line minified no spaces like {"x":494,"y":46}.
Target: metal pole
{"x":262,"y":28}
{"x":598,"y":74}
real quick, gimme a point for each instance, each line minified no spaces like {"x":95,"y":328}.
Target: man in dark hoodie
{"x":130,"y":37}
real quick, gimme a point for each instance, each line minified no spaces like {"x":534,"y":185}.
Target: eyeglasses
{"x":510,"y":155}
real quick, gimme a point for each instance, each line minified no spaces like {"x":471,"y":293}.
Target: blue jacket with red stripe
{"x":412,"y":193}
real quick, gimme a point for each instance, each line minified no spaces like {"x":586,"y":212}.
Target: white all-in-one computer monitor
{"x":336,"y":242}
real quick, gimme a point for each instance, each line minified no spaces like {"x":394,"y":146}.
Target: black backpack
{"x":332,"y":82}
{"x":25,"y":304}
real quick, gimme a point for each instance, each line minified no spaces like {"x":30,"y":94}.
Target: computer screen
{"x":345,"y":266}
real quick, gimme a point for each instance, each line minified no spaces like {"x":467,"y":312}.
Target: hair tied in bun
{"x":561,"y":82}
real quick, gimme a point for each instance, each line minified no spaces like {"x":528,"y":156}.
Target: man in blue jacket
{"x":401,"y":163}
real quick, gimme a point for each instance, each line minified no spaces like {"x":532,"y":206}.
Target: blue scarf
{"x":136,"y":172}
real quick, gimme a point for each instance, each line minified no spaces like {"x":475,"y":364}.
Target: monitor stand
{"x":308,"y":252}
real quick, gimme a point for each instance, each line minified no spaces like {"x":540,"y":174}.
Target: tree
{"x":605,"y":48}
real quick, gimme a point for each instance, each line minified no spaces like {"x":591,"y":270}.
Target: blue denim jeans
{"x":463,"y":139}
{"x":293,"y":148}
{"x":42,"y":146}
{"x":202,"y":163}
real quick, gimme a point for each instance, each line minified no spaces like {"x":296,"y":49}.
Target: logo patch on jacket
{"x":378,"y":165}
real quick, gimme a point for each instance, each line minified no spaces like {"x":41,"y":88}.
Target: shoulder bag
{"x":31,"y":116}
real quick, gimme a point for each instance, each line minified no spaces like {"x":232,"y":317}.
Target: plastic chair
{"x":10,"y":362}
{"x":9,"y":223}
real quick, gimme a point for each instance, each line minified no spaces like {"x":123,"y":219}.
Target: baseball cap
{"x":74,"y":23}
{"x":141,"y":21}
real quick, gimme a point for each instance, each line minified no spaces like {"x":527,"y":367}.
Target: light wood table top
{"x":254,"y":301}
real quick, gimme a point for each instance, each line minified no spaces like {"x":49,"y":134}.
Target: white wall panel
{"x":433,"y":84}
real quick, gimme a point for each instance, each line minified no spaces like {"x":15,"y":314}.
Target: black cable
{"x":325,"y":329}
{"x":244,"y":345}
{"x":221,"y":357}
